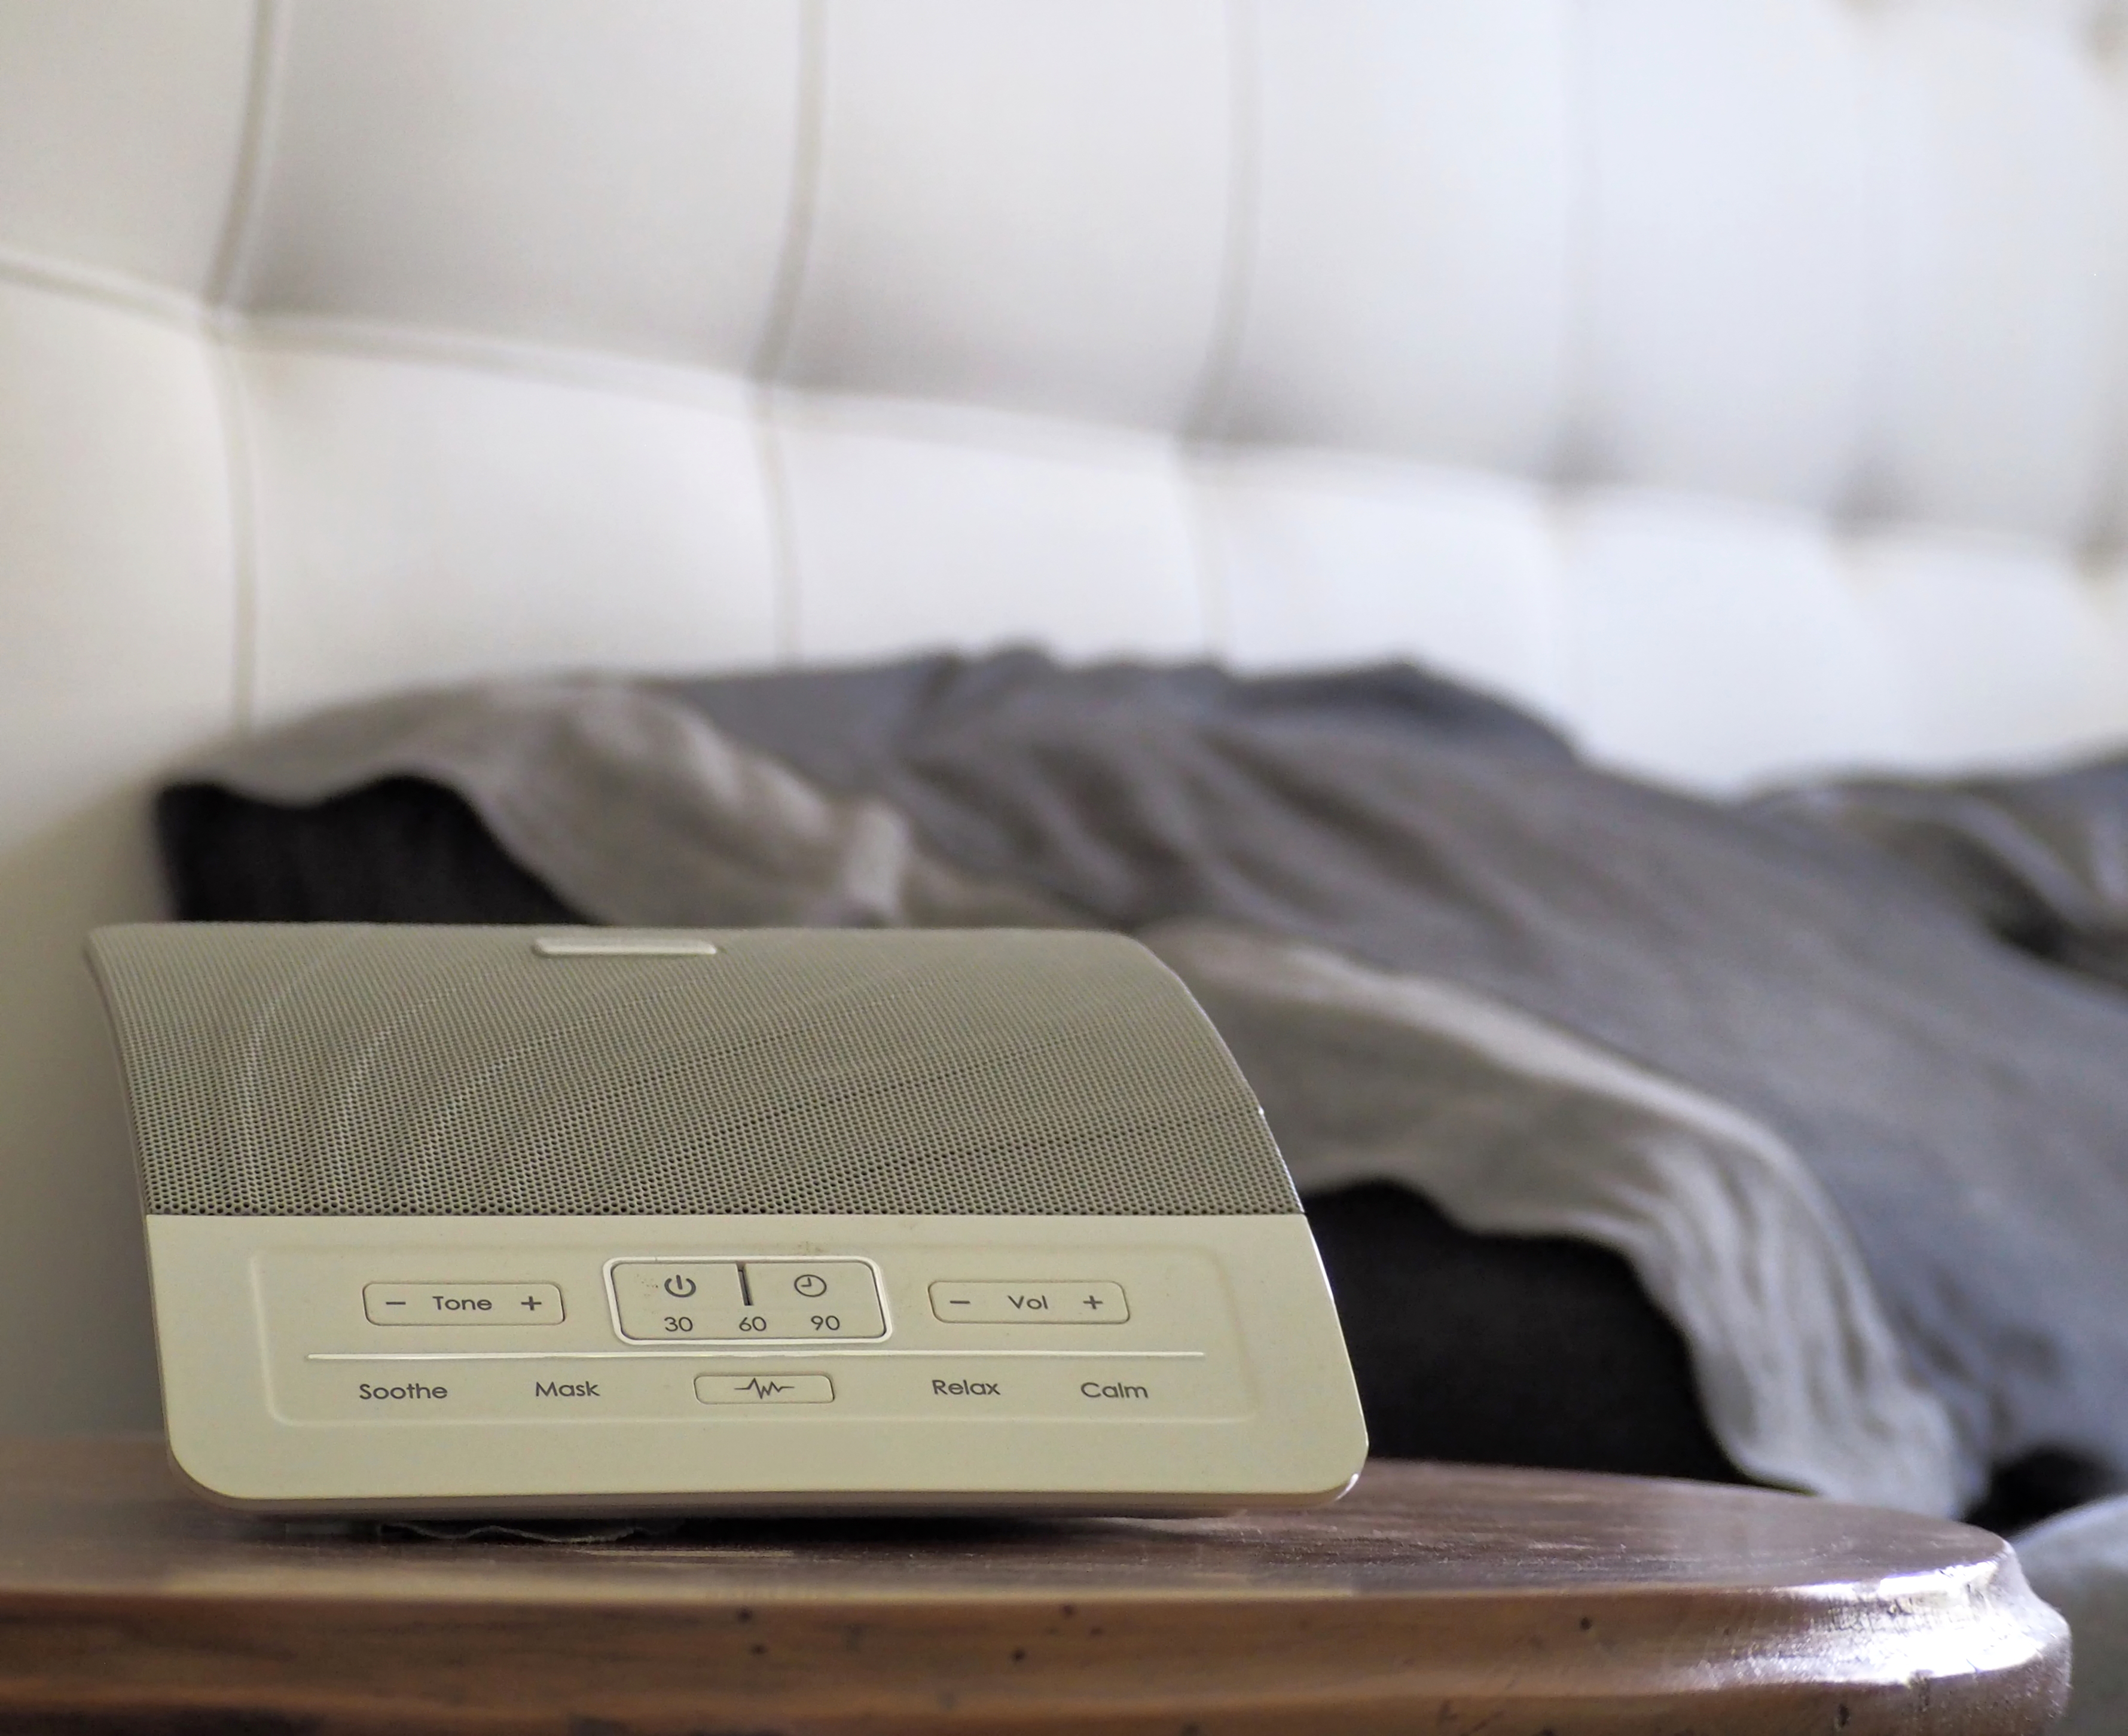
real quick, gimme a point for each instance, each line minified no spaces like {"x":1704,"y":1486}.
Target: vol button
{"x":679,"y":1284}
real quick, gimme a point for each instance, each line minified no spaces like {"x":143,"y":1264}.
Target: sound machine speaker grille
{"x":351,"y":1071}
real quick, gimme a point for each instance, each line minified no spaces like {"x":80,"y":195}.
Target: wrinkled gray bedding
{"x":1867,"y":1153}
{"x":2079,"y":1563}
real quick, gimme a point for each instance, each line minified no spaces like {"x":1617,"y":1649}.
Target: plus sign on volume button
{"x":1048,"y":1302}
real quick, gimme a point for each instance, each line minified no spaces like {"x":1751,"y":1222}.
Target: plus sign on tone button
{"x":462,"y":1305}
{"x":1050,"y":1303}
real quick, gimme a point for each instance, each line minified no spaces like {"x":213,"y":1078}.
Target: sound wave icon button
{"x":749,"y":1388}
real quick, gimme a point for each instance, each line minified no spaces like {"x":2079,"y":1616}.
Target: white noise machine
{"x":564,"y":1222}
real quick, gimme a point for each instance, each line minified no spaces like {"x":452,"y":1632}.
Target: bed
{"x":1834,"y":1073}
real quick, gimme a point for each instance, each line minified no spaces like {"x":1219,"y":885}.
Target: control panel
{"x":588,"y":1333}
{"x":696,"y":1363}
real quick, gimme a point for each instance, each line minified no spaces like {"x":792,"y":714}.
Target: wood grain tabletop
{"x":1442,"y":1599}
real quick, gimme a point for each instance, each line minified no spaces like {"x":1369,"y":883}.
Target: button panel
{"x":1062,"y":1302}
{"x":463,"y":1304}
{"x":746,"y":1301}
{"x":890,"y":1347}
{"x":764,"y":1389}
{"x":703,"y":1390}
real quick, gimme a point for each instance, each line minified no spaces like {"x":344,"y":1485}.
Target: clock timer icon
{"x":810,"y":1283}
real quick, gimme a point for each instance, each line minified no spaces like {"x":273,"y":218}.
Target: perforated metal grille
{"x":324,"y":1070}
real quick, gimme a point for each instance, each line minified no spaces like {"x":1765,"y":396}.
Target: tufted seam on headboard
{"x":261,"y":97}
{"x":766,"y":363}
{"x":120,"y":290}
{"x":262,"y":90}
{"x":1204,"y":424}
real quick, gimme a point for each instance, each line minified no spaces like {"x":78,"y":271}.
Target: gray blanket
{"x":2079,"y":1562}
{"x":1868,"y":1155}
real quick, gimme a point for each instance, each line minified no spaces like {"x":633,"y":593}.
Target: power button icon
{"x":679,"y":1284}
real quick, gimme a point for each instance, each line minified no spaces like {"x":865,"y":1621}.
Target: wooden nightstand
{"x":1437,"y":1598}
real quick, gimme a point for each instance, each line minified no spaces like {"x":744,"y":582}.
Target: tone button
{"x":1063,"y":1303}
{"x":463,"y":1304}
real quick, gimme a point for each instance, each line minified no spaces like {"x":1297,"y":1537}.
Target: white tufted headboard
{"x":1738,"y":381}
